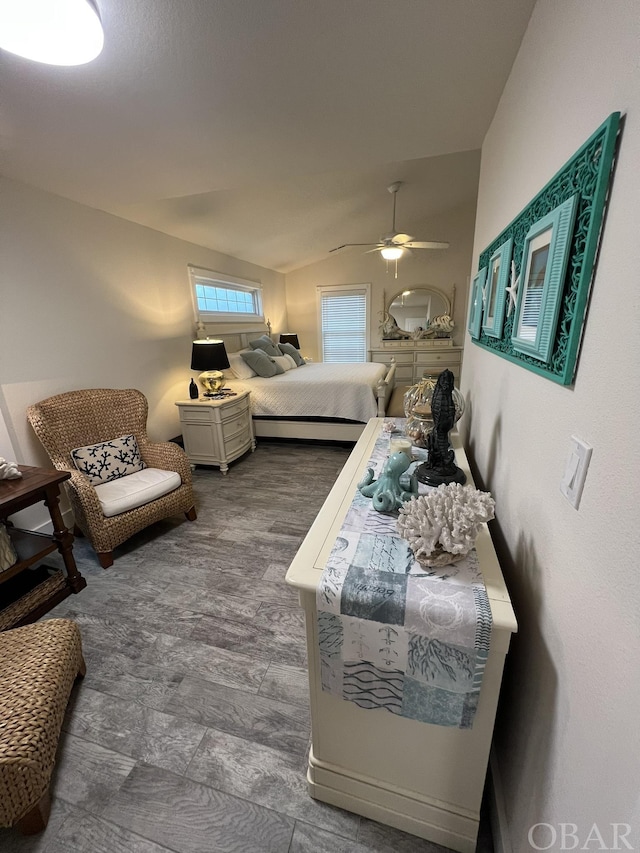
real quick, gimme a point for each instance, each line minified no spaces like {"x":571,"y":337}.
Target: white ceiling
{"x":267,"y":129}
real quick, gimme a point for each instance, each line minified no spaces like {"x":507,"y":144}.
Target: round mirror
{"x":414,"y":309}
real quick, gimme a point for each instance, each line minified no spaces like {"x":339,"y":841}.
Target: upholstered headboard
{"x":238,"y":340}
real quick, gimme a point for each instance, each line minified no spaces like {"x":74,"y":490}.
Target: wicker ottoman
{"x":38,"y":665}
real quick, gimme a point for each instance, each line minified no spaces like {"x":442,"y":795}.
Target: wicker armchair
{"x":80,"y":418}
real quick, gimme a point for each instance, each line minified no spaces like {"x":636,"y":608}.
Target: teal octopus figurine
{"x":386,"y":493}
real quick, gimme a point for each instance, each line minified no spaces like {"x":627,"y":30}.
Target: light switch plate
{"x":575,"y":471}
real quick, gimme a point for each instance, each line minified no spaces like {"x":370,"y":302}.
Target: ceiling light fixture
{"x":391,"y":253}
{"x":56,"y":32}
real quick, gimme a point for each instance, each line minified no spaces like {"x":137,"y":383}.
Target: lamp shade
{"x":290,"y":338}
{"x":391,"y":253}
{"x":209,"y":355}
{"x":64,"y":32}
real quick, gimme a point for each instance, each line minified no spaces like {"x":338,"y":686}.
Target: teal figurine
{"x":387,"y":493}
{"x":193,"y":390}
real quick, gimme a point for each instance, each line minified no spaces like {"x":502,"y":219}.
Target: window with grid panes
{"x":223,"y":297}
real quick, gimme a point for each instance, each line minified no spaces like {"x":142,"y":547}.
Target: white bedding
{"x":316,"y":390}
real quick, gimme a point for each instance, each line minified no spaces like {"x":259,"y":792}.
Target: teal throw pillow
{"x":261,"y":363}
{"x":265,"y":343}
{"x":289,"y":349}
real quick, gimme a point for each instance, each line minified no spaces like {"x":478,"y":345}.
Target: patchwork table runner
{"x":393,"y":634}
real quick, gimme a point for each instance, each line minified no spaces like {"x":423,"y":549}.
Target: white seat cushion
{"x":137,"y":489}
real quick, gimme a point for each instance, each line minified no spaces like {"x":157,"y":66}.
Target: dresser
{"x":422,"y":778}
{"x":415,"y":358}
{"x":215,"y":432}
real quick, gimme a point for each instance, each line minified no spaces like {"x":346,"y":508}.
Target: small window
{"x":224,"y":298}
{"x":344,"y":324}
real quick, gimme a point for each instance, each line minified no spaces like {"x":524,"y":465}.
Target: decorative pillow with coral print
{"x":109,"y":460}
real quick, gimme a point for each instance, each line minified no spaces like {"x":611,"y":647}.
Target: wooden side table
{"x":216,"y":432}
{"x":36,"y":484}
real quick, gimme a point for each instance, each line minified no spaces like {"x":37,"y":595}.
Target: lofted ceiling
{"x":267,"y":129}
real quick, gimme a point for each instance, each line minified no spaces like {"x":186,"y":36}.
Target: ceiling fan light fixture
{"x":55,"y":32}
{"x":391,"y":253}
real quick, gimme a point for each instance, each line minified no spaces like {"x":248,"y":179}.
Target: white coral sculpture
{"x":441,"y":526}
{"x":8,"y":470}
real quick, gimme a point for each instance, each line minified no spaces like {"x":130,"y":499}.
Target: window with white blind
{"x":344,"y":323}
{"x":219,"y":297}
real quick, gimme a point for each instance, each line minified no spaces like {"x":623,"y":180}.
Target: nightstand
{"x":215,"y":432}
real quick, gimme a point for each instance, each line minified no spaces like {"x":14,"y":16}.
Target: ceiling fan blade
{"x":426,"y":245}
{"x":402,"y":238}
{"x":377,"y":249}
{"x":345,"y":245}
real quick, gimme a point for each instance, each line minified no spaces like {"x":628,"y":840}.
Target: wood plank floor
{"x":190,"y":732}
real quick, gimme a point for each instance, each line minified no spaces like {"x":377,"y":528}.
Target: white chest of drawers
{"x":414,"y":358}
{"x":424,"y":779}
{"x":215,"y":432}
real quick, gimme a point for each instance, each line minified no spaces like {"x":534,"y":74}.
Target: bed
{"x":316,"y":401}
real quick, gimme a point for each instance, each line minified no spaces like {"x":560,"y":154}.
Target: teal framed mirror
{"x":551,"y":271}
{"x":476,"y":301}
{"x":544,"y":264}
{"x":496,"y":290}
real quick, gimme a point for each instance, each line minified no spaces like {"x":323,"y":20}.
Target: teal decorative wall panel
{"x":587,"y":177}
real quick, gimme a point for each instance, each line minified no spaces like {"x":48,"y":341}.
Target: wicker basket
{"x":8,"y":554}
{"x":23,"y":606}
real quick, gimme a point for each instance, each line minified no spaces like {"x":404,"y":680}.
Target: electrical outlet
{"x":575,"y":471}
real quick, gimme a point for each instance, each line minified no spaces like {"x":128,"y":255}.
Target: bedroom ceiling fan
{"x":394,"y":244}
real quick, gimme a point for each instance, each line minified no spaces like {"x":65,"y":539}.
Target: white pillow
{"x":285,"y":361}
{"x":239,"y":366}
{"x":291,"y":360}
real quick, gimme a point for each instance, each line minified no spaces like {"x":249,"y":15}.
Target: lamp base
{"x":212,"y":381}
{"x":440,"y":476}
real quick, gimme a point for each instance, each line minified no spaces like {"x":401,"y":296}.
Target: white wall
{"x":567,"y":738}
{"x":89,"y":300}
{"x":441,"y":268}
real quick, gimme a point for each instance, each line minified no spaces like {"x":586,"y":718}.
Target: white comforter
{"x":317,"y":390}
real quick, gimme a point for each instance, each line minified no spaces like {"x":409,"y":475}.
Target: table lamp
{"x":211,"y":358}
{"x":290,"y":338}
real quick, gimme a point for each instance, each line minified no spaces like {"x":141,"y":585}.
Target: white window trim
{"x":344,"y":288}
{"x":231,"y":282}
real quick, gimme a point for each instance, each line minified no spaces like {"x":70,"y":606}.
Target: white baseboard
{"x":46,"y":526}
{"x":499,"y":829}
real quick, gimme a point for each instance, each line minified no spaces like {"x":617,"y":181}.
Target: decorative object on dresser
{"x":209,"y":356}
{"x":417,"y":408}
{"x":440,"y":466}
{"x":111,"y":512}
{"x":27,"y":593}
{"x":441,"y":527}
{"x":193,"y":390}
{"x":217,"y":431}
{"x":387,"y":493}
